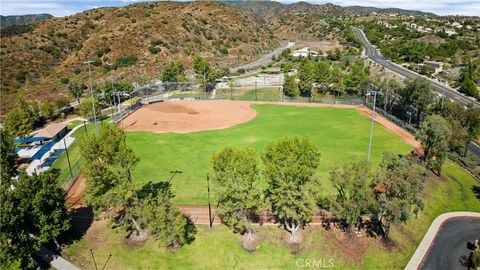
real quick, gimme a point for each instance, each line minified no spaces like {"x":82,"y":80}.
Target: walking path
{"x":198,"y":214}
{"x":427,"y":241}
{"x":55,"y":261}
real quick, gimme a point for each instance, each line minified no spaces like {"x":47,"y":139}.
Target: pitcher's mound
{"x":189,"y":116}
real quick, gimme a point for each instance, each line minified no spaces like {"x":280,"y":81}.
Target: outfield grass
{"x":341,"y":134}
{"x":218,"y":248}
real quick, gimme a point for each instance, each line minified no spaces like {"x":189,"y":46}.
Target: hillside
{"x":34,"y":63}
{"x":268,"y":10}
{"x":6,"y":21}
{"x":368,"y":10}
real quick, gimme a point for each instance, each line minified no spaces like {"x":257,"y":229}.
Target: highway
{"x":375,"y":55}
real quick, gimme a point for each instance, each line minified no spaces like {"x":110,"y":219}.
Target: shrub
{"x":153,"y":49}
{"x":64,"y":80}
{"x":126,"y":60}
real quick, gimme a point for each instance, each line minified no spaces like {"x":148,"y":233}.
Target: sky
{"x":69,"y":7}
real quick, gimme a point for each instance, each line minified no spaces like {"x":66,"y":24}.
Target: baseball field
{"x":181,"y":136}
{"x":342,"y":135}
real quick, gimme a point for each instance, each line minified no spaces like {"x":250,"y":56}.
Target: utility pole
{"x":443,"y":98}
{"x":210,"y":221}
{"x":374,"y":93}
{"x":68,"y":157}
{"x":385,"y":100}
{"x":255,"y":90}
{"x":91,"y":93}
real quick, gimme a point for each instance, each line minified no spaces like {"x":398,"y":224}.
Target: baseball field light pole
{"x":173,"y":175}
{"x":373,"y":93}
{"x":210,"y":221}
{"x":89,"y":62}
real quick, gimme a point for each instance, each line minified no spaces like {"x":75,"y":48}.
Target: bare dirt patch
{"x":322,"y":45}
{"x":189,"y":116}
{"x":75,"y":194}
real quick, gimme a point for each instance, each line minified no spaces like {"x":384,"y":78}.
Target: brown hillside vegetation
{"x":34,"y":63}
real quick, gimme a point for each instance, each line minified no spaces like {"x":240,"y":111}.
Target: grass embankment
{"x":218,"y":248}
{"x":342,"y":136}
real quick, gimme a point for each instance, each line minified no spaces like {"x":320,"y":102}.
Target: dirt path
{"x":75,"y":194}
{"x":198,"y":214}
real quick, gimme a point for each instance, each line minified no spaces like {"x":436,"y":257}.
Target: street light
{"x":373,"y":93}
{"x":91,"y":93}
{"x":173,"y":175}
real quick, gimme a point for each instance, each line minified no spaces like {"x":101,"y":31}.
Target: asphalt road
{"x":374,"y":54}
{"x":449,"y":249}
{"x":264,"y":60}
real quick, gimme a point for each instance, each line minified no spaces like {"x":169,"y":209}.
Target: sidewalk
{"x":422,"y":250}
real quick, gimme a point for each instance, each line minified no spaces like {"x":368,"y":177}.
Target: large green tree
{"x":236,"y":175}
{"x":397,"y":187}
{"x":351,"y":183}
{"x":434,"y":134}
{"x":86,"y":108}
{"x":290,"y":87}
{"x":472,"y":125}
{"x":417,"y":93}
{"x":7,"y":156}
{"x":290,"y":166}
{"x":306,"y":75}
{"x":33,"y":213}
{"x":107,"y":168}
{"x":205,"y":75}
{"x":174,"y":71}
{"x":76,"y":88}
{"x":152,"y":212}
{"x":19,"y":122}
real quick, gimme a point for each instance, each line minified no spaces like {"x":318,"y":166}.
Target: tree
{"x":434,"y":134}
{"x":33,"y":213}
{"x":152,"y":210}
{"x":306,"y":75}
{"x":19,"y":122}
{"x":322,"y":73}
{"x":7,"y":156}
{"x":108,"y":165}
{"x":290,"y":165}
{"x":397,"y":187}
{"x":466,"y":81}
{"x":472,"y":125}
{"x":352,"y":193}
{"x":417,"y":93}
{"x":86,"y":108}
{"x":239,"y":198}
{"x":76,"y":88}
{"x":290,"y":87}
{"x":48,"y":111}
{"x":204,"y":74}
{"x":173,"y":72}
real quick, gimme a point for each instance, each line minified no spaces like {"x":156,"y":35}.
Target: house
{"x":433,"y":66}
{"x":304,"y":52}
{"x":53,"y":131}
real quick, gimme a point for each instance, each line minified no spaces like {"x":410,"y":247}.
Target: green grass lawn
{"x":61,"y":163}
{"x":341,"y":134}
{"x":218,"y":248}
